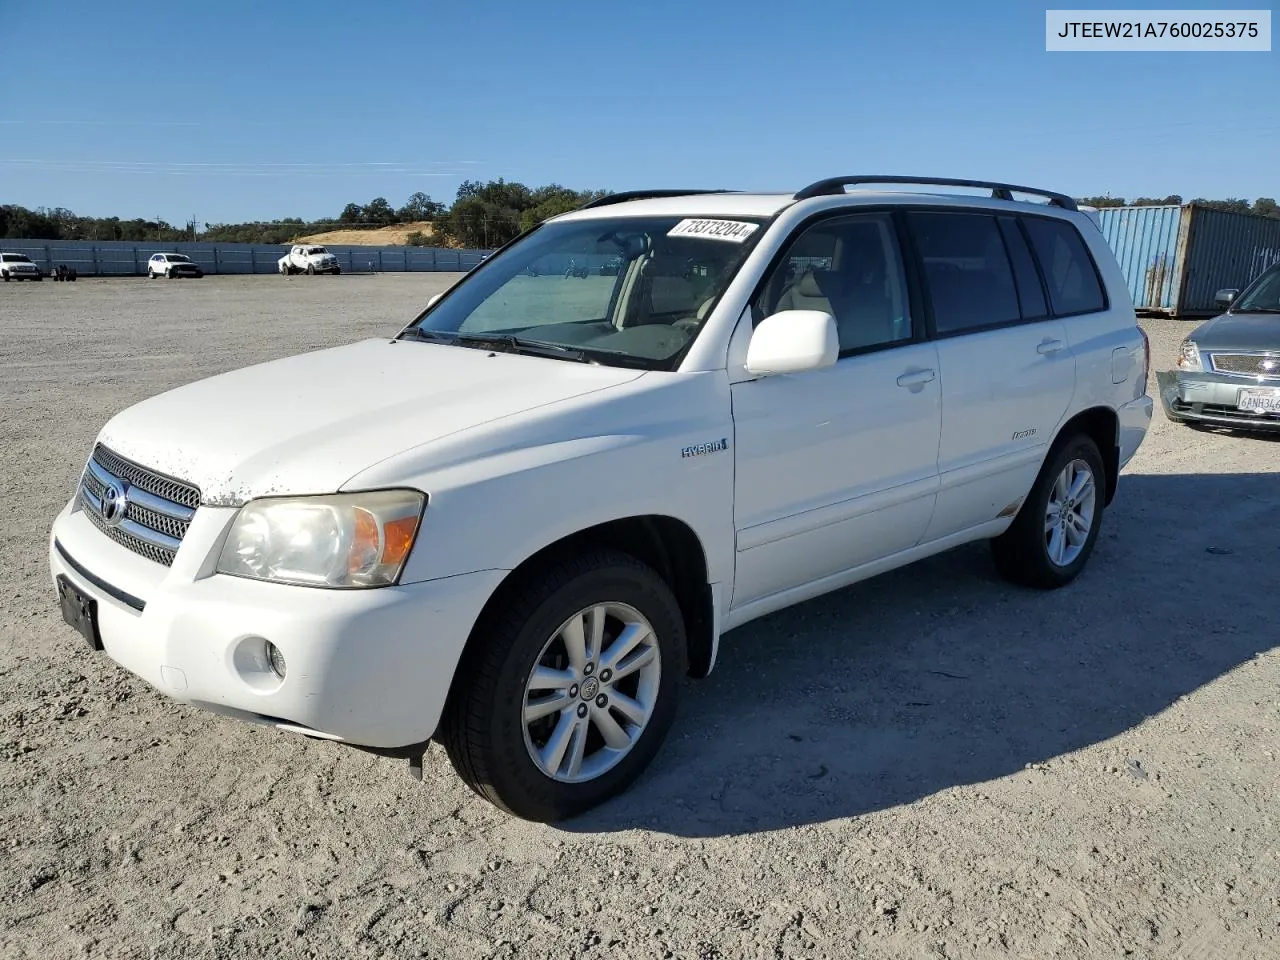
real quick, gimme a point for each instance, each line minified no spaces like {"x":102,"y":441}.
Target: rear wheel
{"x":571,"y":689}
{"x":1053,"y":536}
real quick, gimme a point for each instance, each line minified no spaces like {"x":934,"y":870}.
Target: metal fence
{"x":123,"y":258}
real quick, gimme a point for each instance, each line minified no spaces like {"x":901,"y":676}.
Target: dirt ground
{"x":929,"y":764}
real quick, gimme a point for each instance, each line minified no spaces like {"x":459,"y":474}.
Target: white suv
{"x":309,"y":259}
{"x":18,"y":266}
{"x":560,"y":495}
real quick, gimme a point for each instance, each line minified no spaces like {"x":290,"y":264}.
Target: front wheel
{"x":337,"y":271}
{"x":569,"y":687}
{"x":1053,"y":536}
{"x":5,"y":275}
{"x":311,"y":270}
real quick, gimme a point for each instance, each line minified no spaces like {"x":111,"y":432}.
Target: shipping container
{"x":1176,"y":258}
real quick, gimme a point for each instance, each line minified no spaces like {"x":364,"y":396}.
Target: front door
{"x":837,"y":467}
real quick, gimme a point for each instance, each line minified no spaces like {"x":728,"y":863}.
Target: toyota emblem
{"x":115,"y":503}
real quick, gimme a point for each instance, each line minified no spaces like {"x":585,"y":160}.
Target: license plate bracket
{"x":1259,"y":400}
{"x":80,"y":612}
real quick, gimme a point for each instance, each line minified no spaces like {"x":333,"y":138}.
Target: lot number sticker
{"x":735,"y":231}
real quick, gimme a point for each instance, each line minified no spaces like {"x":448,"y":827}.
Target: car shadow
{"x":940,"y":674}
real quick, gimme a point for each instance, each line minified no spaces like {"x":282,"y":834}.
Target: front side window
{"x":1067,"y":267}
{"x":849,"y":267}
{"x":1262,"y":296}
{"x":628,"y":291}
{"x":966,"y":269}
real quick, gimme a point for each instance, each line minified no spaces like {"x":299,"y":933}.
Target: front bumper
{"x":366,"y":667}
{"x":1210,"y":399}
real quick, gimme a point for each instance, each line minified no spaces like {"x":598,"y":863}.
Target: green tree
{"x":420,"y":207}
{"x":380,"y":212}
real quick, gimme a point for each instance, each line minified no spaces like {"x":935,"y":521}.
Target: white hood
{"x":307,"y":424}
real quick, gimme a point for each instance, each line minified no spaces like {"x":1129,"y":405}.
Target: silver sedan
{"x":1228,"y":371}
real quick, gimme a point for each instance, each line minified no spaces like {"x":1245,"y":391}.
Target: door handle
{"x":1049,"y":347}
{"x":916,"y":378}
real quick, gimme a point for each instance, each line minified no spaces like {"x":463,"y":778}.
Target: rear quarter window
{"x":1069,"y":271}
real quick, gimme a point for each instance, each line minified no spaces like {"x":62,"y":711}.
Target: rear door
{"x":1008,"y":371}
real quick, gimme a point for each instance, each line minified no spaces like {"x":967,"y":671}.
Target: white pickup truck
{"x":308,"y":258}
{"x":548,"y":501}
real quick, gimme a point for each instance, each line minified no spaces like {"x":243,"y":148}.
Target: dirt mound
{"x":396,"y":235}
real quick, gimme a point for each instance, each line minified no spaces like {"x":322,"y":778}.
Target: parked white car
{"x":556,"y":498}
{"x":308,"y":258}
{"x":18,"y":266}
{"x":171,"y":266}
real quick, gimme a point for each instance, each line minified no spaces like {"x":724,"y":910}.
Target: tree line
{"x":1262,"y":207}
{"x":482,"y":215}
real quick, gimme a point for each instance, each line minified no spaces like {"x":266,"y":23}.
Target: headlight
{"x":347,"y":540}
{"x":1189,"y":358}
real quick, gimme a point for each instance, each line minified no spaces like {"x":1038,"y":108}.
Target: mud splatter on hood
{"x":308,"y":423}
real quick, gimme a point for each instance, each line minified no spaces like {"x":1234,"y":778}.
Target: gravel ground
{"x":930,"y":764}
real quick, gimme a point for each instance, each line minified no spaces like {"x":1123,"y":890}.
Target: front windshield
{"x":16,"y":258}
{"x":1263,"y":297}
{"x":630,"y":291}
{"x":178,"y":258}
{"x":317,"y":250}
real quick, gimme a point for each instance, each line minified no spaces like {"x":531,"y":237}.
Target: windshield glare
{"x":634,"y":289}
{"x":1265,"y":295}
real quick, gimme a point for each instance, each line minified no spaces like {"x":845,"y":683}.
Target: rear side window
{"x":966,"y":269}
{"x":1068,"y":269}
{"x":1030,"y":292}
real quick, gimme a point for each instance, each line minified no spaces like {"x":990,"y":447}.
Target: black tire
{"x":5,"y":275}
{"x":337,"y":271}
{"x":1021,"y":553}
{"x":483,"y":725}
{"x":170,"y":275}
{"x":311,"y":269}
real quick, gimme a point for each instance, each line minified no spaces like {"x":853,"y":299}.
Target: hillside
{"x":395,"y":235}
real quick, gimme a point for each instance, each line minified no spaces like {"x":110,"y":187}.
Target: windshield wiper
{"x":506,"y":342}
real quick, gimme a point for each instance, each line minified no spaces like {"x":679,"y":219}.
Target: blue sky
{"x":236,"y":111}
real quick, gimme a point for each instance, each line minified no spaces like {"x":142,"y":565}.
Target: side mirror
{"x":432,"y":302}
{"x":793,"y":341}
{"x":1225,"y":297}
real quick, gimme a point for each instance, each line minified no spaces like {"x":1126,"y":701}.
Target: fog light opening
{"x":275,"y":658}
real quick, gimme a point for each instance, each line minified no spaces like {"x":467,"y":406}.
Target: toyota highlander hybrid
{"x":517,"y":524}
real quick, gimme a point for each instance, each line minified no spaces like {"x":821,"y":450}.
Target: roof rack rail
{"x":645,"y":195}
{"x":999,"y":191}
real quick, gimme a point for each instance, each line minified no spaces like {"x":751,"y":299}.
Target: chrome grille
{"x":158,"y":509}
{"x":176,"y":491}
{"x":1266,"y":366}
